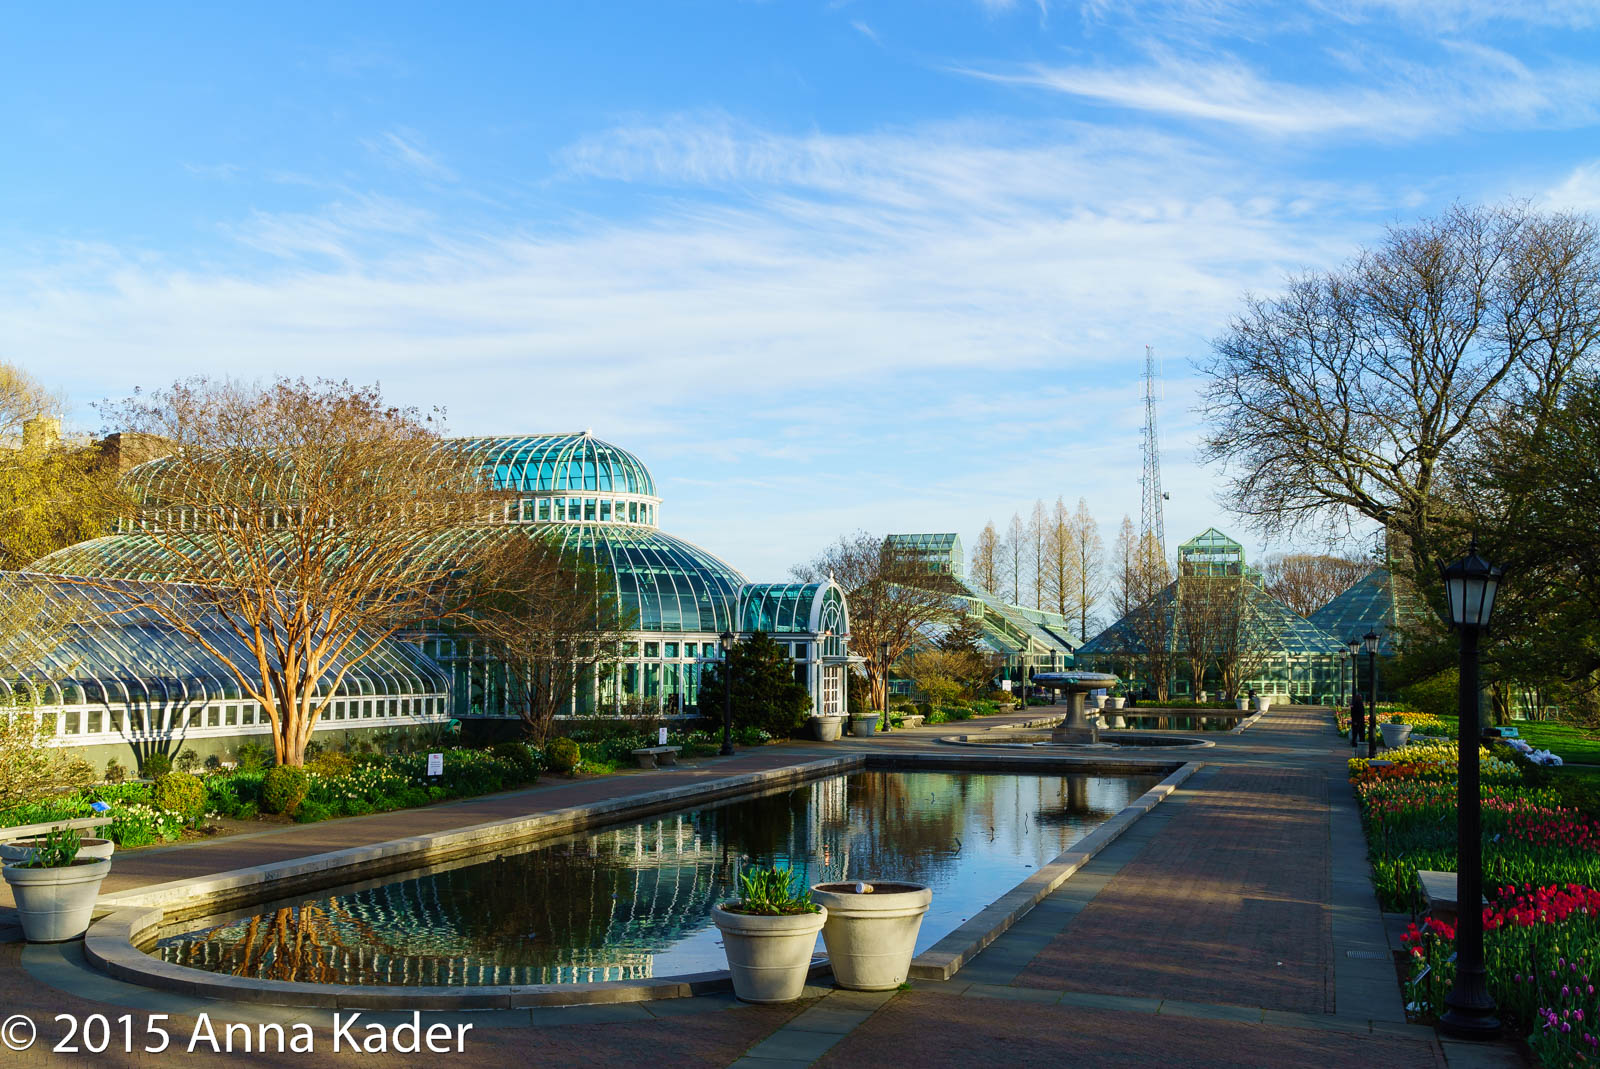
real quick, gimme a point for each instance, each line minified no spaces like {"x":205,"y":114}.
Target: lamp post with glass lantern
{"x":1470,"y":584}
{"x":1356,"y":727}
{"x":727,"y":693}
{"x":1342,"y":659}
{"x":1371,"y":644}
{"x":883,"y":659}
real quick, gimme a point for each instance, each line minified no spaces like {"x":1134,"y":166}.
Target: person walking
{"x":1358,"y":719}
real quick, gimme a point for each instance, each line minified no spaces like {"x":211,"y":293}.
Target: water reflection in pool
{"x":634,"y":901}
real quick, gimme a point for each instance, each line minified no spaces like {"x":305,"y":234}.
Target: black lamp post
{"x":883,"y":659}
{"x":1469,"y":585}
{"x":1342,"y":659}
{"x":1357,"y":727}
{"x":1370,"y":642}
{"x":727,"y":693}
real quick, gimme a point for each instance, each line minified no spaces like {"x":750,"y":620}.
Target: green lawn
{"x":1570,"y":742}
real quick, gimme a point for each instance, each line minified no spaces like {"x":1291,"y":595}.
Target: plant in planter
{"x":863,"y":724}
{"x":55,"y":890}
{"x":826,"y":728}
{"x":769,"y":934}
{"x":871,"y":931}
{"x":1396,"y":732}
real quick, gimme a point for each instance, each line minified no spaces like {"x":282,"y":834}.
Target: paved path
{"x":1232,"y":926}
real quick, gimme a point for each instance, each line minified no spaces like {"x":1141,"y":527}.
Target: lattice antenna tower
{"x":1152,"y":522}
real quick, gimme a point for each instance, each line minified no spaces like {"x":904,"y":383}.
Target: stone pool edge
{"x":111,"y":944}
{"x":942,"y":960}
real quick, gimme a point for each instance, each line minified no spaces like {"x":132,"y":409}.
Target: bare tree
{"x":1245,"y":640}
{"x":1202,"y":601}
{"x":1352,"y":392}
{"x":893,"y":599}
{"x":1125,"y":560}
{"x":552,"y":618}
{"x":1039,"y":547}
{"x":1087,"y":551}
{"x":1307,"y":581}
{"x":1059,"y":553}
{"x":300,"y":511}
{"x":985,"y":559}
{"x":1154,"y":618}
{"x":1014,"y":559}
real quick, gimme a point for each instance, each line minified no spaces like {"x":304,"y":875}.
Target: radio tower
{"x":1152,"y":524}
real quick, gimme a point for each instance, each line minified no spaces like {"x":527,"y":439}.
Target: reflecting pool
{"x":634,"y":901}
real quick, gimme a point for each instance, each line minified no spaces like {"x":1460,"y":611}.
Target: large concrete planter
{"x":56,"y":905}
{"x":24,"y":849}
{"x":871,"y":937}
{"x":1095,"y":701}
{"x":769,"y":957}
{"x":826,"y":728}
{"x":1113,"y":702}
{"x":1395,"y":735}
{"x":862,"y":727}
{"x":1243,"y":704}
{"x":1263,"y":703}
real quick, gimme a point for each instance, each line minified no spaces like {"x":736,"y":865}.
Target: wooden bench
{"x":656,"y":756}
{"x":1439,"y":894}
{"x":28,"y":831}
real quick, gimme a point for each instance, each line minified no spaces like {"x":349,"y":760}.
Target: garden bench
{"x":28,"y":831}
{"x":1439,"y":894}
{"x":656,"y":756}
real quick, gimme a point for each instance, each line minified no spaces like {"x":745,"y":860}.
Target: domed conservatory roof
{"x":568,"y":462}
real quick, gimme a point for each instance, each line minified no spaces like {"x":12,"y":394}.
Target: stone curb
{"x":944,"y":958}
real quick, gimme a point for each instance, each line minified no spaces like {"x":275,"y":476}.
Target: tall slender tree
{"x":1088,"y":559}
{"x":986,"y":559}
{"x":1125,"y":562}
{"x":1015,"y":558}
{"x":1039,"y":547}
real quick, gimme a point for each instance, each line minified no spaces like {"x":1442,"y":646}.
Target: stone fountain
{"x":1076,"y":726}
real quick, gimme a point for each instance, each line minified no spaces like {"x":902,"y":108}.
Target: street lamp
{"x":1469,"y":586}
{"x":1357,"y":727}
{"x":1343,"y":657}
{"x":1371,"y":644}
{"x":883,"y":659}
{"x":727,"y":693}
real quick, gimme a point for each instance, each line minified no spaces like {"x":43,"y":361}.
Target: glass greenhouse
{"x":123,"y":675}
{"x":1300,"y":658}
{"x":599,"y":501}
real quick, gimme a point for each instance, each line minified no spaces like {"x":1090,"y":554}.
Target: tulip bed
{"x":1541,"y":862}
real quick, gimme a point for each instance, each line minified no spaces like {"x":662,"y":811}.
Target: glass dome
{"x":559,"y":462}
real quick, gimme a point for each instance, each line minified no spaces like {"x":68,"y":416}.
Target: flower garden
{"x":1541,"y":860}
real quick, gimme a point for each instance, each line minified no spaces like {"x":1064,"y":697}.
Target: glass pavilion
{"x":1303,"y":659}
{"x":123,"y":678}
{"x":601,"y":502}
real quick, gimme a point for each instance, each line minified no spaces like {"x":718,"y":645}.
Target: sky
{"x":824,"y":266}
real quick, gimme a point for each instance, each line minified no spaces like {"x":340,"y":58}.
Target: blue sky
{"x":822,"y":265}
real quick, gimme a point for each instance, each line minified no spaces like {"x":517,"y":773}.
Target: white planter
{"x":826,"y":728}
{"x":1243,"y":704}
{"x":1095,"y":701}
{"x":56,"y":904}
{"x":862,"y":727}
{"x":24,"y":849}
{"x":1395,"y":735}
{"x":769,"y":957}
{"x":1114,"y":702}
{"x":871,"y":937}
{"x":1262,"y":703}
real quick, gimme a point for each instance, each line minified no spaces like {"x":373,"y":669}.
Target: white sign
{"x":662,"y":737}
{"x":436,"y":764}
{"x":1005,"y":685}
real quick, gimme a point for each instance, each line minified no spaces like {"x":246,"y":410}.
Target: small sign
{"x":661,"y":737}
{"x":436,"y":764}
{"x":1005,"y":685}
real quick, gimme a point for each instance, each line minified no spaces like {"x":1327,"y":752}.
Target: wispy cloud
{"x":1389,"y":100}
{"x":866,"y":31}
{"x":1578,"y":192}
{"x":404,"y":149}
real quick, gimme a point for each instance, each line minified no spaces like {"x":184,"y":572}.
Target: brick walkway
{"x":1230,"y":927}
